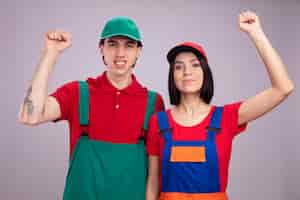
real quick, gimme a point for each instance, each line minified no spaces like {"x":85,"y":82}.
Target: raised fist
{"x":249,"y":22}
{"x":57,"y":40}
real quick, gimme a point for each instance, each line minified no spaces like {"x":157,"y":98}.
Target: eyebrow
{"x":111,"y":41}
{"x":194,"y":59}
{"x":178,"y":62}
{"x":131,"y":42}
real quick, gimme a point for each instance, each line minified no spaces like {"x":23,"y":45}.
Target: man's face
{"x":120,"y":55}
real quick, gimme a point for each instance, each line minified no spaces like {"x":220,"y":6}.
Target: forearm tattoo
{"x":28,"y":102}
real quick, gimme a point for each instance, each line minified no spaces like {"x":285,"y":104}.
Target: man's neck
{"x":120,"y":82}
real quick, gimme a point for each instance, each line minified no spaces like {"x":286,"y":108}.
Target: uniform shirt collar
{"x":133,"y":88}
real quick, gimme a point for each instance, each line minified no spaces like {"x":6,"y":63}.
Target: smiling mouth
{"x":188,"y":81}
{"x":120,"y":63}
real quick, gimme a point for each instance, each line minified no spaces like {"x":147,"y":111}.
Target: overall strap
{"x":151,"y":98}
{"x":163,"y":123}
{"x":164,"y":126}
{"x":83,"y":107}
{"x":215,"y":122}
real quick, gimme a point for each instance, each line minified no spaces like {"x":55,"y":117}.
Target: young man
{"x":107,"y":115}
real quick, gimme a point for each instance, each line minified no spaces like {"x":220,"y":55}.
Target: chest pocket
{"x":187,"y":154}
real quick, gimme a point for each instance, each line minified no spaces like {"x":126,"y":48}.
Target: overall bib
{"x":190,"y":169}
{"x":106,"y":171}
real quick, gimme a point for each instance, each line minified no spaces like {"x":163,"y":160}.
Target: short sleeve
{"x":230,"y":117}
{"x":159,"y":103}
{"x":66,"y":97}
{"x":152,"y":140}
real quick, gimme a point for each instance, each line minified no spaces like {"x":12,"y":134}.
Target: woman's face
{"x":188,"y":74}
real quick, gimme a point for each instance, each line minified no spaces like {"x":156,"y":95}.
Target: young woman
{"x":189,"y":145}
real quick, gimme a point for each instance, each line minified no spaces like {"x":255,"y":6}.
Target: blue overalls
{"x":190,"y":169}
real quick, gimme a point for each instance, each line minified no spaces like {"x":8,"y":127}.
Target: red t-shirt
{"x":229,"y":129}
{"x":115,"y":116}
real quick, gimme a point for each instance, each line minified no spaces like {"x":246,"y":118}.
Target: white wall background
{"x":266,"y":158}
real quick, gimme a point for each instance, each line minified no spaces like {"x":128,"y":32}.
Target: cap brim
{"x":179,"y":49}
{"x":122,"y":34}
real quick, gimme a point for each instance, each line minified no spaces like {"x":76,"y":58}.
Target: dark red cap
{"x":186,"y":46}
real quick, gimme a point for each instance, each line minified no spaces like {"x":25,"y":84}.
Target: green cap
{"x":121,"y":26}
